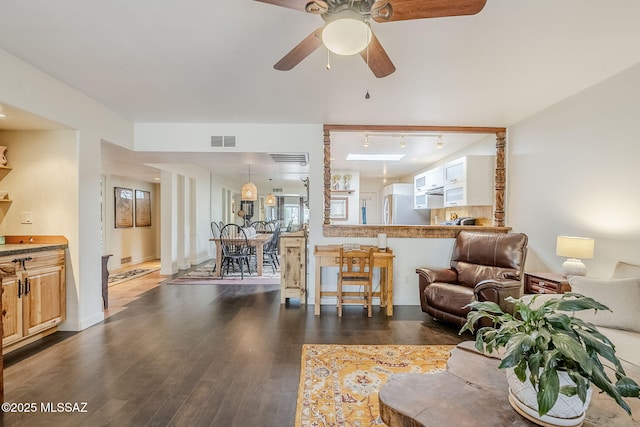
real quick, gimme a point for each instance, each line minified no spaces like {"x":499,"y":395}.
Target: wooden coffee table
{"x":474,"y":392}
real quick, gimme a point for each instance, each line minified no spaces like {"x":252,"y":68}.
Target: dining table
{"x":257,"y":240}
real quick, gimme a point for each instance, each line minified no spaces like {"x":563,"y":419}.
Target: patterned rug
{"x":339,"y":383}
{"x":116,"y":279}
{"x":204,"y":275}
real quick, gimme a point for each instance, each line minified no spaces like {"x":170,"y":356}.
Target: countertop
{"x":25,"y":248}
{"x":15,"y":245}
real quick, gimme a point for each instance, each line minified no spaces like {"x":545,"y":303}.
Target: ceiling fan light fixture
{"x":346,"y":35}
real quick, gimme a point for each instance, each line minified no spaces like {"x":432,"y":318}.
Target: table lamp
{"x":575,"y":249}
{"x":382,"y":242}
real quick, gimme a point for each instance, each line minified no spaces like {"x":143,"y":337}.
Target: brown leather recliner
{"x":484,"y":267}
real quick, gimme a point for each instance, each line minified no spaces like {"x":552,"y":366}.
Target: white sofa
{"x":621,"y":293}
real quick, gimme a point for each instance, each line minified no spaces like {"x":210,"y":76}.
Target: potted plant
{"x":553,"y":352}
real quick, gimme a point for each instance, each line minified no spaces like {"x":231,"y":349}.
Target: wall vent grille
{"x":223,"y":141}
{"x":301,"y":158}
{"x":125,"y":260}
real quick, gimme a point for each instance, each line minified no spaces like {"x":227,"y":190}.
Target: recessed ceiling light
{"x":376,"y":157}
{"x":2,"y":116}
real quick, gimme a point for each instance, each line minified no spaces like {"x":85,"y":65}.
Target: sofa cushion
{"x":626,"y":343}
{"x":622,"y":296}
{"x":624,"y":270}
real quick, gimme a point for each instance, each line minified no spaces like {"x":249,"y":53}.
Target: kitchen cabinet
{"x":468,"y":181}
{"x":293,"y":268}
{"x":429,"y":180}
{"x":34,"y":297}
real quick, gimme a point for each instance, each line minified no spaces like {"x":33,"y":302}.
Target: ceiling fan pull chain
{"x":366,"y":95}
{"x":328,"y":59}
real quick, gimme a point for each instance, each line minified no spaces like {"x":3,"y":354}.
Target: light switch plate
{"x":26,"y":217}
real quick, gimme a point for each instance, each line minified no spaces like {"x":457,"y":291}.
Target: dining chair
{"x":260,"y":226}
{"x":235,"y":248}
{"x":271,"y":249}
{"x":355,"y":270}
{"x":270,"y":226}
{"x":215,"y":230}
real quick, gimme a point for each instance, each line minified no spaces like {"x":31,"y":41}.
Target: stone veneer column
{"x":327,"y":177}
{"x":498,"y":218}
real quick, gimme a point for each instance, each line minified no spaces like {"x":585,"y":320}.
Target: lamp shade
{"x":249,"y":191}
{"x":270,"y":200}
{"x":575,"y":247}
{"x":346,"y":35}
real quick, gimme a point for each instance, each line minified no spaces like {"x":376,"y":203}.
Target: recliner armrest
{"x":497,"y":290}
{"x":446,"y":275}
{"x":497,"y":284}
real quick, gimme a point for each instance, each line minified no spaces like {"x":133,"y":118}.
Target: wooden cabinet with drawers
{"x":293,"y":266}
{"x":545,"y":283}
{"x":34,"y":297}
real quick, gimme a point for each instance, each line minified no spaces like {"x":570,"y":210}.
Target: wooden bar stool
{"x":355,"y":269}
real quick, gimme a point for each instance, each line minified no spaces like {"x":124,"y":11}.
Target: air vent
{"x":277,"y":190}
{"x":125,"y":260}
{"x":301,"y":158}
{"x":229,"y":141}
{"x":223,"y":141}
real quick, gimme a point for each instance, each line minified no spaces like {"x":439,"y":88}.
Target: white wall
{"x":250,"y":138}
{"x":27,"y":88}
{"x":573,"y":170}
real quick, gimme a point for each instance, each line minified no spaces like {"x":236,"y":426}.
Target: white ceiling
{"x":211,"y":61}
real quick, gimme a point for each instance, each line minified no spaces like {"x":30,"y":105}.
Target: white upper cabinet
{"x":468,"y":181}
{"x":429,"y":180}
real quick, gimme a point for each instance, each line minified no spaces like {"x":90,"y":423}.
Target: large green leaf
{"x":592,"y":342}
{"x":599,"y":378}
{"x":582,"y":384}
{"x":628,"y":387}
{"x":488,"y":306}
{"x":571,"y":349}
{"x":516,"y":347}
{"x":548,"y":391}
{"x":577,"y":302}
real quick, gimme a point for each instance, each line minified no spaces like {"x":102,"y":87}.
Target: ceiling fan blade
{"x":301,"y":51}
{"x":379,"y":62}
{"x":291,"y":4}
{"x":401,"y":10}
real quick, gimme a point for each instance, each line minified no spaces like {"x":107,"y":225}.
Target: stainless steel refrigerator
{"x":397,"y":207}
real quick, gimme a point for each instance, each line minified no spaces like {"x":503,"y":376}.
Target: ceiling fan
{"x":346,"y":30}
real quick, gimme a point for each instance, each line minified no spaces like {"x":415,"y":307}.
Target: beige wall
{"x":139,"y":243}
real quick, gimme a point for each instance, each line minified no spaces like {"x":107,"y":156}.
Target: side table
{"x":474,"y":392}
{"x":545,"y":283}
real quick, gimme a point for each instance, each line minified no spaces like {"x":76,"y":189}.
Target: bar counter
{"x":405,"y":231}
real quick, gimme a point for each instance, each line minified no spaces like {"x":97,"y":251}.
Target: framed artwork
{"x":123,"y":207}
{"x":143,"y":208}
{"x":339,"y":208}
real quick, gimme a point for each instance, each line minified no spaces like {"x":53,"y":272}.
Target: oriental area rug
{"x":339,"y":384}
{"x":116,"y":279}
{"x":204,"y":275}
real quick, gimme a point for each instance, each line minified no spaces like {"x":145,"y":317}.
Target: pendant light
{"x":270,"y":199}
{"x":249,"y":190}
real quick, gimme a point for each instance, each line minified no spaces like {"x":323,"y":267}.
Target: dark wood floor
{"x":185,"y":355}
